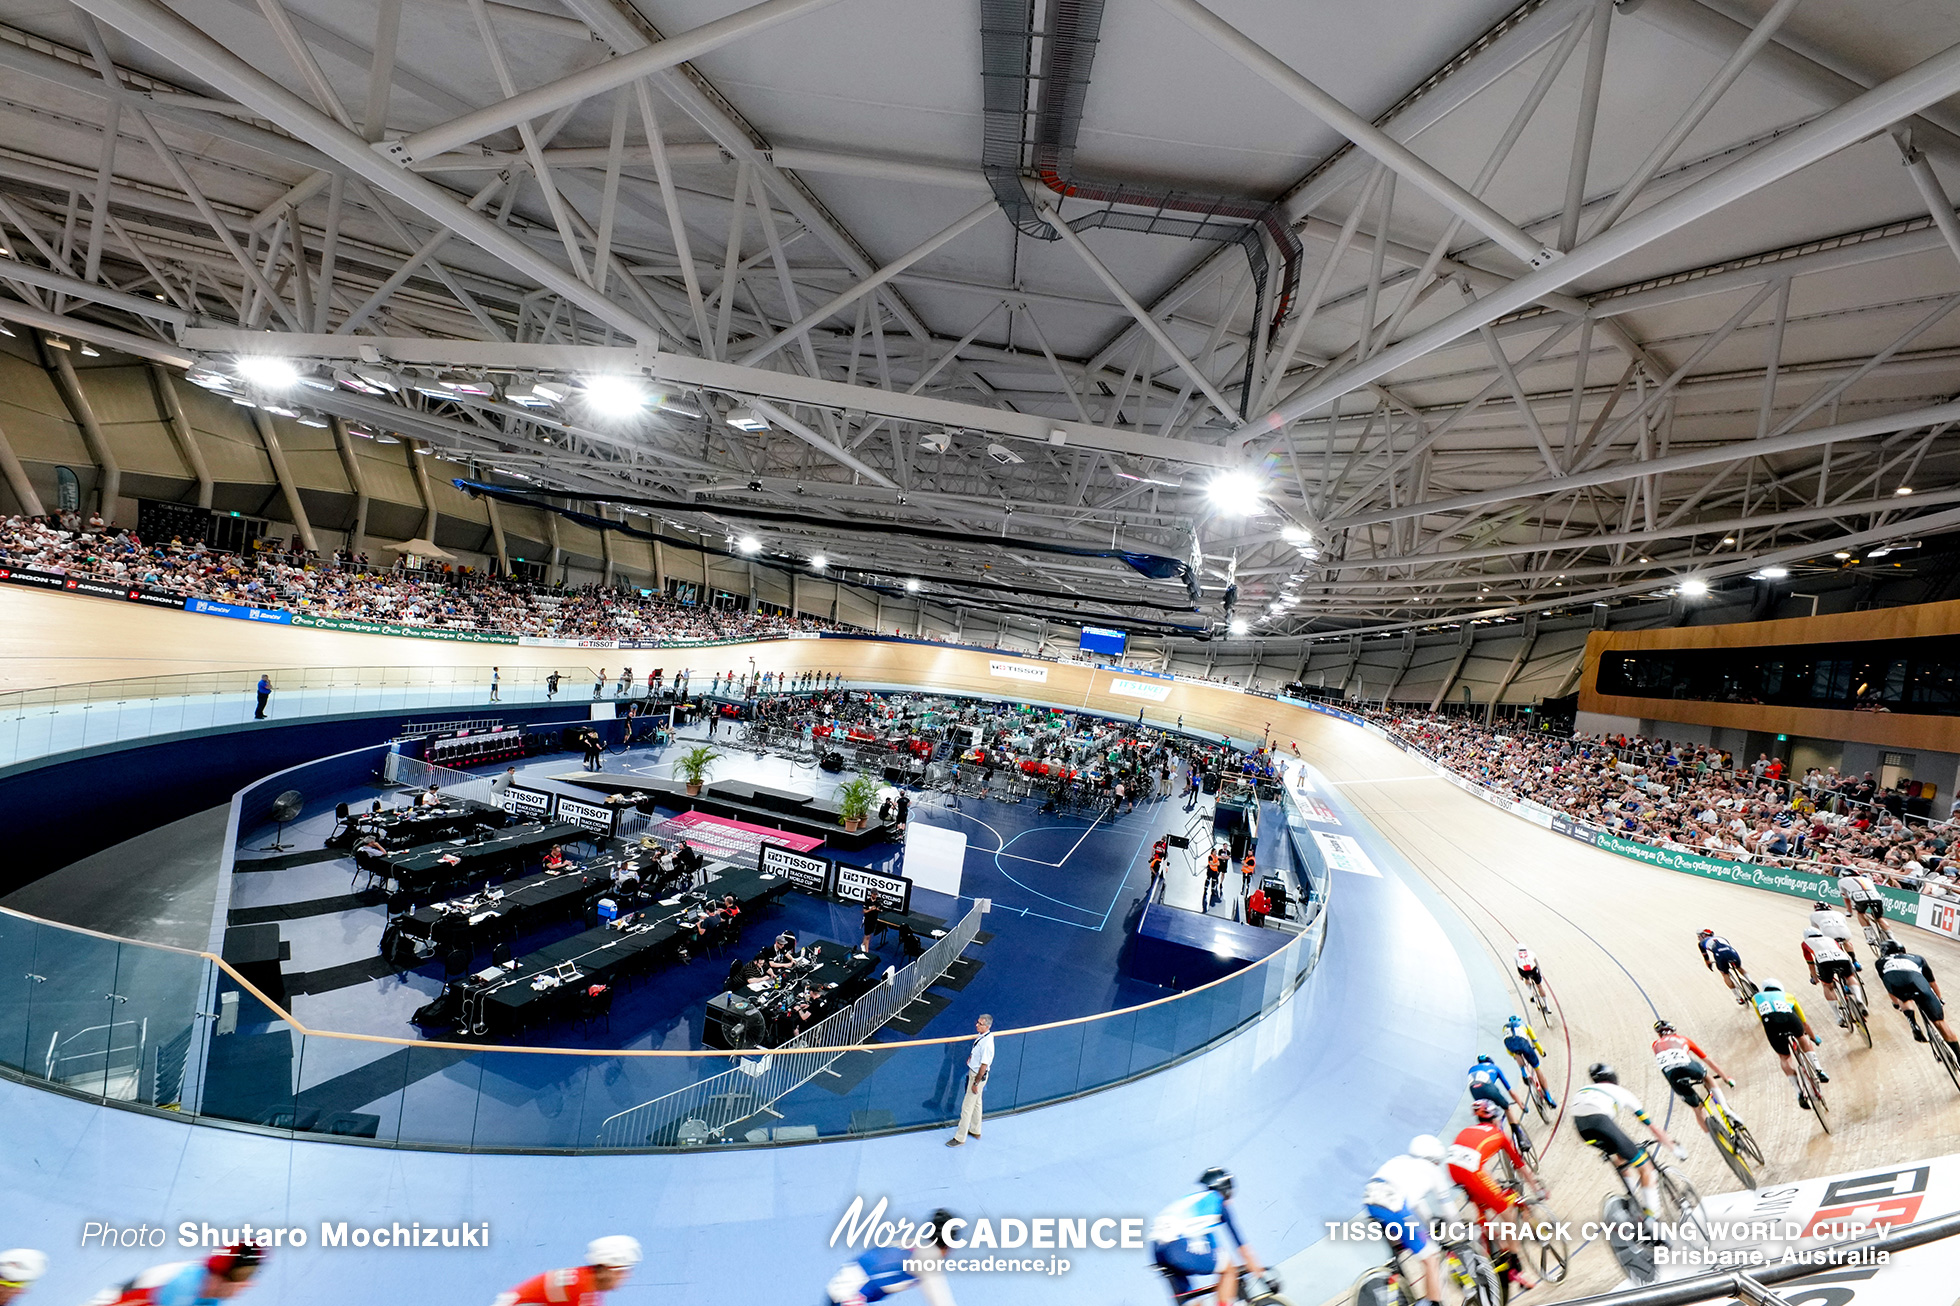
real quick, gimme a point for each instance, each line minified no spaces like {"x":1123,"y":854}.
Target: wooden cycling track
{"x":1616,"y":937}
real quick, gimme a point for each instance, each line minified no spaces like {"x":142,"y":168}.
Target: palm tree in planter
{"x":694,"y":765}
{"x":854,"y":798}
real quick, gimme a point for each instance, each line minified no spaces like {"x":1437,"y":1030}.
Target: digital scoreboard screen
{"x":1099,"y":639}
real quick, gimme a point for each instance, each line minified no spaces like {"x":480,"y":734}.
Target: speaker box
{"x":832,"y":762}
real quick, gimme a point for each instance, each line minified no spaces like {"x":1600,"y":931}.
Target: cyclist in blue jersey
{"x":1526,"y":1050}
{"x":189,"y":1283}
{"x":883,"y":1271}
{"x":1185,"y":1240}
{"x":1489,"y":1083}
{"x":1718,"y":954}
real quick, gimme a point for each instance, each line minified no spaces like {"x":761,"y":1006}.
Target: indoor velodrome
{"x":982,"y":652}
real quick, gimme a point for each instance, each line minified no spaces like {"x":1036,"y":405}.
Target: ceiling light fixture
{"x":1728,"y":539}
{"x":1694,"y":587}
{"x":615,"y":396}
{"x":1235,"y":494}
{"x":267,"y":371}
{"x":818,"y":562}
{"x":1238,"y":627}
{"x":912,"y":586}
{"x":1842,"y":556}
{"x":1773,"y":573}
{"x":1903,"y":489}
{"x":744,"y":418}
{"x":748,"y":544}
{"x":90,"y":351}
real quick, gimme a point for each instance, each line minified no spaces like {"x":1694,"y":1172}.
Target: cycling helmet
{"x":936,"y":1227}
{"x":1515,"y":1022}
{"x":1485,"y":1060}
{"x":1427,"y":1147}
{"x":1601,"y":1073}
{"x":615,"y":1251}
{"x":1891,"y":948}
{"x":1663,"y":1027}
{"x":238,"y":1256}
{"x":1812,"y":932}
{"x":1768,"y":985}
{"x":1706,"y":934}
{"x":21,"y":1266}
{"x":1822,"y":904}
{"x":1218,"y":1179}
{"x":1523,"y":951}
{"x":1485,"y":1109}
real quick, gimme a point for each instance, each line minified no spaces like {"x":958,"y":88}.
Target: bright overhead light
{"x":6,"y":330}
{"x":912,"y":586}
{"x":615,"y":396}
{"x":1841,"y":555}
{"x":1238,"y":627}
{"x":1773,"y":573}
{"x":744,"y":418}
{"x":1694,"y":587}
{"x":1903,"y":489}
{"x":1728,"y":539}
{"x":267,"y":371}
{"x":748,"y":544}
{"x":1235,"y":494}
{"x":90,"y":351}
{"x":818,"y":562}
{"x":1295,"y":534}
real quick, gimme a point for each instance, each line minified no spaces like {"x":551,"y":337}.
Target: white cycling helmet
{"x":1426,"y":1147}
{"x":1777,"y":985}
{"x":615,"y":1251}
{"x":22,"y":1265}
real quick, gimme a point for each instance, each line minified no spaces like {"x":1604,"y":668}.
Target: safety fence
{"x":705,"y":1112}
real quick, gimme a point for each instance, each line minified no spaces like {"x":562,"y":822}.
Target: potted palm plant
{"x":854,"y":798}
{"x":694,"y":765}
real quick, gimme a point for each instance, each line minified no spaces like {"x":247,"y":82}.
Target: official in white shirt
{"x":978,"y":1062}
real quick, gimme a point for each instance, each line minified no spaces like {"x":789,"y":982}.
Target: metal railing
{"x":705,"y":1112}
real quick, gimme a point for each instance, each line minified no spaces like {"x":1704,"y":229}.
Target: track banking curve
{"x":1382,"y":1023}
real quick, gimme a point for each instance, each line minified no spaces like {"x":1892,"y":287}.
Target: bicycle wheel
{"x":1860,"y":1017}
{"x":1746,"y":1139}
{"x":1544,"y":1007}
{"x":1473,"y":1273}
{"x":1544,"y":1108}
{"x":1682,"y":1197}
{"x":1554,"y":1261}
{"x":1625,"y":1234}
{"x":1382,"y":1287}
{"x":1944,"y":1055}
{"x":1729,"y":1149}
{"x":1807,"y":1082}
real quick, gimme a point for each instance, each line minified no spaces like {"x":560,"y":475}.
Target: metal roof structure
{"x":1388,"y":314}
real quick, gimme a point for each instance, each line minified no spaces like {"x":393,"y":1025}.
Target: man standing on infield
{"x":978,"y":1063}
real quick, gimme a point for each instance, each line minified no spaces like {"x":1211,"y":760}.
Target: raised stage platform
{"x":756,"y":804}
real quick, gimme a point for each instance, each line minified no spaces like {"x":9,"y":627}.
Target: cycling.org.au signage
{"x":519,"y":801}
{"x":1014,"y":669}
{"x":856,"y":884}
{"x":810,"y":874}
{"x":1777,"y":879}
{"x":595,"y":817}
{"x":387,"y":628}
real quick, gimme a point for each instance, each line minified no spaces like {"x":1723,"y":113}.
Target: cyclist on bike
{"x":1862,"y":899}
{"x":1827,"y":918}
{"x":19,"y":1268}
{"x":1489,"y":1083}
{"x":608,"y":1261}
{"x":1528,"y":968}
{"x":1686,"y":1068}
{"x":1830,"y":965}
{"x":1185,"y":1240}
{"x":1787,"y":1026}
{"x":883,"y":1271}
{"x":1405,"y":1196}
{"x":189,"y":1283}
{"x":1475,"y":1147}
{"x":1526,"y":1050}
{"x":1595,"y":1112}
{"x":1908,"y":978}
{"x":1718,"y":954}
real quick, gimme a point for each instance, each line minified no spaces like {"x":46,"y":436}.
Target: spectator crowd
{"x":347,"y":588}
{"x":1701,"y":800}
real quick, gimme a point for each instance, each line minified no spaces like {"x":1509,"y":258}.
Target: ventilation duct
{"x":1014,"y":146}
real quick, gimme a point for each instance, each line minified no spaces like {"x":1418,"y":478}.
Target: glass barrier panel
{"x":156,"y":1002}
{"x":18,"y":940}
{"x":441,"y":1094}
{"x":73,"y":1022}
{"x":252,"y":1062}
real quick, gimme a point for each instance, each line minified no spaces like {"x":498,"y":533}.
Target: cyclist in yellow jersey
{"x":1786,"y":1026}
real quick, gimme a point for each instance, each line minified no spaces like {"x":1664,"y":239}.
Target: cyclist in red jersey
{"x":1687,"y":1069}
{"x":608,"y":1261}
{"x":189,"y":1283}
{"x":1475,"y":1147}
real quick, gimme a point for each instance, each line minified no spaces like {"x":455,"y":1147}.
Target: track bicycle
{"x":1253,"y":1290}
{"x":1811,"y":1087}
{"x":1733,"y":1142}
{"x":1464,"y":1264}
{"x":1854,"y":1014}
{"x":1631,"y":1234}
{"x":1552,"y":1256}
{"x":1540,"y":1001}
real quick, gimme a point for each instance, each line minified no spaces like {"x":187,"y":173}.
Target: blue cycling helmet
{"x":1515,"y":1022}
{"x":1485,"y":1060}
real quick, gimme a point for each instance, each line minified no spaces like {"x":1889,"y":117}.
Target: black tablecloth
{"x":729,"y":1013}
{"x":424,"y":869}
{"x":525,"y":904}
{"x":406,"y":827}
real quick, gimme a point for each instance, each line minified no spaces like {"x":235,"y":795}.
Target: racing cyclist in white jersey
{"x":1830,"y":965}
{"x":1862,"y":899}
{"x":1595,"y":1112}
{"x":1825,"y":916}
{"x":1406,"y":1195}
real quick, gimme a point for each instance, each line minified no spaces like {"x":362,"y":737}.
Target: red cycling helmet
{"x":238,"y":1256}
{"x":1485,"y":1109}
